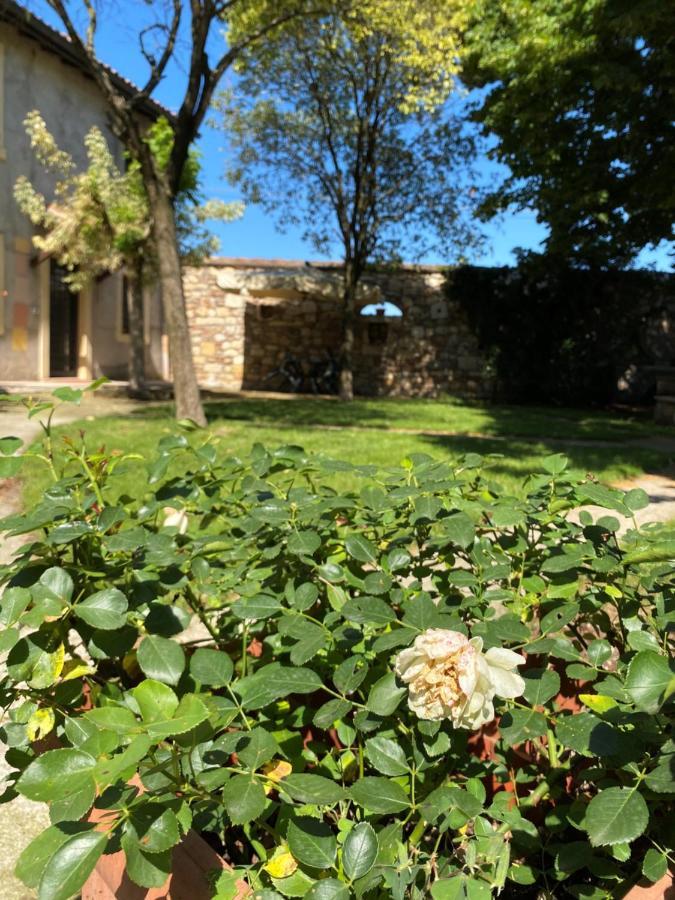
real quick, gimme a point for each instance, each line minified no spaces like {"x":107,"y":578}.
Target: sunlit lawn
{"x":358,"y":433}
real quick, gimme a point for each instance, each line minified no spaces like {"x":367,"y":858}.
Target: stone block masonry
{"x":245,"y":315}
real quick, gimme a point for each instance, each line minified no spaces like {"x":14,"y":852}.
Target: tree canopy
{"x":581,"y":99}
{"x":341,"y":129}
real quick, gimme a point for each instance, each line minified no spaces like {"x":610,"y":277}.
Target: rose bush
{"x":424,"y":687}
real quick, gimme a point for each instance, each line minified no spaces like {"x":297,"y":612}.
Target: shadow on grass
{"x":444,"y":414}
{"x":514,"y":459}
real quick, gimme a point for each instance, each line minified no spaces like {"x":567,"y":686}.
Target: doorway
{"x":63,"y":325}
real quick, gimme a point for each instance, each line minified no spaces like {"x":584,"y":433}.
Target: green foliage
{"x":566,"y":335}
{"x":245,"y":672}
{"x":340,"y":127}
{"x":580,"y":98}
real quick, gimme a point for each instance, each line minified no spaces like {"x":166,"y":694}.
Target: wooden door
{"x":63,"y":325}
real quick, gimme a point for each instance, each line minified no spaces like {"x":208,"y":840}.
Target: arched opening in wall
{"x":378,"y":317}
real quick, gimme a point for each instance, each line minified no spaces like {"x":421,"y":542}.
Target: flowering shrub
{"x":424,"y":687}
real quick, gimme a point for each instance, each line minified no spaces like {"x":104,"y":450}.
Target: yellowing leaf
{"x":282,"y":864}
{"x":599,"y":703}
{"x":76,"y":668}
{"x":40,"y":724}
{"x":275,"y":770}
{"x":130,"y":665}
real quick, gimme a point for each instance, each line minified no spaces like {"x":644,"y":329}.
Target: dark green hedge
{"x":560,"y":335}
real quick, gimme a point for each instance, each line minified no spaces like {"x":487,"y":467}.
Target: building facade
{"x":46,"y":331}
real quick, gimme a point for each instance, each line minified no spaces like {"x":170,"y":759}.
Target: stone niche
{"x":246,"y":316}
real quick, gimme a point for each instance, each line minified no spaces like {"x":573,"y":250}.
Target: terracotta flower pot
{"x":645,"y":890}
{"x":191,"y":877}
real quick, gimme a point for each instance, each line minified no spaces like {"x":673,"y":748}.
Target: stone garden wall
{"x":245,"y":315}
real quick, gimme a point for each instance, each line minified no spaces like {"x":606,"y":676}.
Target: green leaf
{"x":313,"y":789}
{"x":616,"y":815}
{"x":122,"y":765}
{"x":191,"y":712}
{"x":385,"y":696}
{"x":71,"y":865}
{"x":243,"y":798}
{"x":296,"y":885}
{"x":377,"y":583}
{"x":303,"y":543}
{"x":654,"y":865}
{"x":661,"y":780}
{"x":56,"y":774}
{"x":274,"y":681}
{"x":212,"y":668}
{"x":387,"y":756}
{"x":32,"y":862}
{"x":521,"y":725}
{"x":75,"y":806}
{"x":149,"y":870}
{"x":379,"y":795}
{"x":587,"y":734}
{"x":305,"y":596}
{"x":15,"y":601}
{"x":257,"y":748}
{"x":328,"y":889}
{"x":461,"y":887}
{"x":312,"y":842}
{"x":68,"y":395}
{"x":459,"y":529}
{"x":349,"y":675}
{"x":599,"y":651}
{"x":360,"y":548}
{"x":360,"y":851}
{"x":636,"y":499}
{"x":119,"y":719}
{"x":58,"y":583}
{"x":368,"y":610}
{"x":450,"y":797}
{"x":161,"y":659}
{"x":9,"y":445}
{"x":105,"y":610}
{"x":156,"y":701}
{"x":540,"y":685}
{"x":332,"y":710}
{"x":649,"y":681}
{"x":555,"y":464}
{"x":155,"y":827}
{"x":260,"y":607}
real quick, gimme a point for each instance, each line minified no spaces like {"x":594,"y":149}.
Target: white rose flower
{"x":175,"y":518}
{"x":449,"y":677}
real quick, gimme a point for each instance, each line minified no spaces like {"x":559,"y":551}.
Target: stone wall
{"x":245,"y":315}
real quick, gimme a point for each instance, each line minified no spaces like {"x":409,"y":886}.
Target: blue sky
{"x":255,"y":234}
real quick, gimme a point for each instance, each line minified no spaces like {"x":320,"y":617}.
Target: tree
{"x":192,"y":26}
{"x":581,"y":100}
{"x":99,"y":221}
{"x":339,"y":128}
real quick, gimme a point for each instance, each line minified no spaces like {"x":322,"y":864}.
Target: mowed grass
{"x":366,"y":432}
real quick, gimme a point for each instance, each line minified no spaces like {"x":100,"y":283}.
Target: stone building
{"x":45,"y":330}
{"x":247,"y":314}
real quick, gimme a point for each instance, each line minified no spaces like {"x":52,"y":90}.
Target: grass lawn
{"x":365,"y":432}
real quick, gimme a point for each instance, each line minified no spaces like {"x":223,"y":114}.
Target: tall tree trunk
{"x":136,"y":329}
{"x":186,"y":389}
{"x":348,"y":320}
